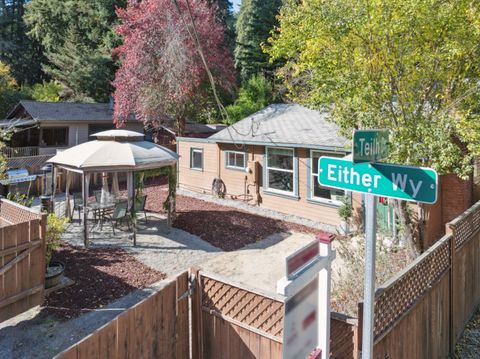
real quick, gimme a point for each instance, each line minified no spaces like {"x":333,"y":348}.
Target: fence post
{"x":197,"y":330}
{"x":359,"y":329}
{"x":451,"y":230}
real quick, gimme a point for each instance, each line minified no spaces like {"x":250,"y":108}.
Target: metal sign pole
{"x":369,"y":293}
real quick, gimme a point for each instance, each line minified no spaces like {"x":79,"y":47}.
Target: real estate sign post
{"x":306,"y":288}
{"x":366,"y":176}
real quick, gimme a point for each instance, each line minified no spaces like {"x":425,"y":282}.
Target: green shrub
{"x":345,"y":211}
{"x":19,"y":198}
{"x":55,"y":229}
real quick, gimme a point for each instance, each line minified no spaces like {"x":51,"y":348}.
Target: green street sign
{"x":408,"y":183}
{"x":370,"y":145}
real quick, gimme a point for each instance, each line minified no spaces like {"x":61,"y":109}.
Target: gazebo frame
{"x":131,"y":191}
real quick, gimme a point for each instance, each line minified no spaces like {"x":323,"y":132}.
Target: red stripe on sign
{"x":316,"y":354}
{"x":309,"y":319}
{"x":300,"y":259}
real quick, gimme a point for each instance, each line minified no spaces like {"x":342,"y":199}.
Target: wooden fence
{"x":421,"y":312}
{"x":22,"y":259}
{"x":227,"y":321}
{"x":156,"y":327}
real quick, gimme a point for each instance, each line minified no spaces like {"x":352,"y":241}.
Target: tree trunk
{"x":410,"y":233}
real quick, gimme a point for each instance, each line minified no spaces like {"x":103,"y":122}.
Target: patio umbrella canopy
{"x":115,"y":150}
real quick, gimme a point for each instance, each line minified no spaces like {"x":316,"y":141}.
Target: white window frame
{"x":233,"y":167}
{"x":294,"y":171}
{"x":314,"y":177}
{"x":192,"y":151}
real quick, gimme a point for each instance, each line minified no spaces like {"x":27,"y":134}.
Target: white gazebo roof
{"x":115,"y":150}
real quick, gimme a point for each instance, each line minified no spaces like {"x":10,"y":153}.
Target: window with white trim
{"x":318,"y":192}
{"x":280,"y":170}
{"x":235,"y":160}
{"x":196,"y":158}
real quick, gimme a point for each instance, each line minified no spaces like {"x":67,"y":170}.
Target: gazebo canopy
{"x":115,"y":150}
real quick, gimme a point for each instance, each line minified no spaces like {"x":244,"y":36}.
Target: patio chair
{"x":98,"y":196}
{"x":118,"y":215}
{"x":77,"y":205}
{"x":140,"y":206}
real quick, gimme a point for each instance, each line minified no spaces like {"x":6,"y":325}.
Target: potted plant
{"x":54,"y":269}
{"x":345,"y":211}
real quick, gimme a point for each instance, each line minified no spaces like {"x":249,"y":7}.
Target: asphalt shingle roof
{"x":284,"y":124}
{"x":67,"y":111}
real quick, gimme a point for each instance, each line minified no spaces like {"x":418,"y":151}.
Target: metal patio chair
{"x":119,"y":215}
{"x":140,"y":206}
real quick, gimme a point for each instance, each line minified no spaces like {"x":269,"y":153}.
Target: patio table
{"x":99,"y":209}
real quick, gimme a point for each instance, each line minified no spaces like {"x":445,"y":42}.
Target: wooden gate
{"x":156,"y":327}
{"x":22,"y":259}
{"x":230,"y":320}
{"x":235,"y":322}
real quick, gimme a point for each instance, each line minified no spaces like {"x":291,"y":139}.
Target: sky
{"x":236,"y":5}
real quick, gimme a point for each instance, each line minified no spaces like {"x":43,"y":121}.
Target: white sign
{"x":300,"y":328}
{"x":306,"y":287}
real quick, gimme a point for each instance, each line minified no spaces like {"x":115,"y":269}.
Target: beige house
{"x":268,"y":159}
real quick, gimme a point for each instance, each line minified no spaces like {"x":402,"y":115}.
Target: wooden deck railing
{"x":10,"y":152}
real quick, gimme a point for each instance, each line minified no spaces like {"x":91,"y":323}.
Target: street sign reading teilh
{"x":370,"y":145}
{"x":408,"y":183}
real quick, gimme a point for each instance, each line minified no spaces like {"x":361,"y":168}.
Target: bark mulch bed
{"x":225,"y":227}
{"x":101,"y":275}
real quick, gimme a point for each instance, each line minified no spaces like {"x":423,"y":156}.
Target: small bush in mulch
{"x":101,"y":275}
{"x":225,"y":227}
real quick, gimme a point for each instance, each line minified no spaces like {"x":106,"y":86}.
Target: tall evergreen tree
{"x":78,"y":37}
{"x":225,"y":16}
{"x":23,"y":55}
{"x":255,"y":21}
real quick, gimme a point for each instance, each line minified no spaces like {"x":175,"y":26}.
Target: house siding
{"x":78,"y":133}
{"x":237,"y":181}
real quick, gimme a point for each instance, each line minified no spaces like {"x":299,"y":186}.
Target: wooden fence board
{"x":182,"y":318}
{"x":125,"y":335}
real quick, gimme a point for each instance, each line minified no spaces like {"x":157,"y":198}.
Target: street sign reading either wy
{"x":370,"y":145}
{"x":408,"y":183}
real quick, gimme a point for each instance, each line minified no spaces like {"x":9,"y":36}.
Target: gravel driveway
{"x":468,"y":346}
{"x":259,"y":265}
{"x":169,"y":250}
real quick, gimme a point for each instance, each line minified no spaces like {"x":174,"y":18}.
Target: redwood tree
{"x":162,"y":75}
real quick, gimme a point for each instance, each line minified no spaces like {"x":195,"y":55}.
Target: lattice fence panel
{"x":398,"y":298}
{"x":252,"y":309}
{"x":14,"y":214}
{"x":465,"y":228}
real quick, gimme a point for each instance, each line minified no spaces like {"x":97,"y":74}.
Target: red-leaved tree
{"x":162,"y":75}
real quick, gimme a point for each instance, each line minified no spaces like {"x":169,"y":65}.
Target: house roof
{"x":192,"y":127}
{"x":63,"y":111}
{"x":284,"y":124}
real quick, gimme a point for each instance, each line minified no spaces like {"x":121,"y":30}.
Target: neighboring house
{"x":167,"y":135}
{"x":269,"y":158}
{"x":43,"y":128}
